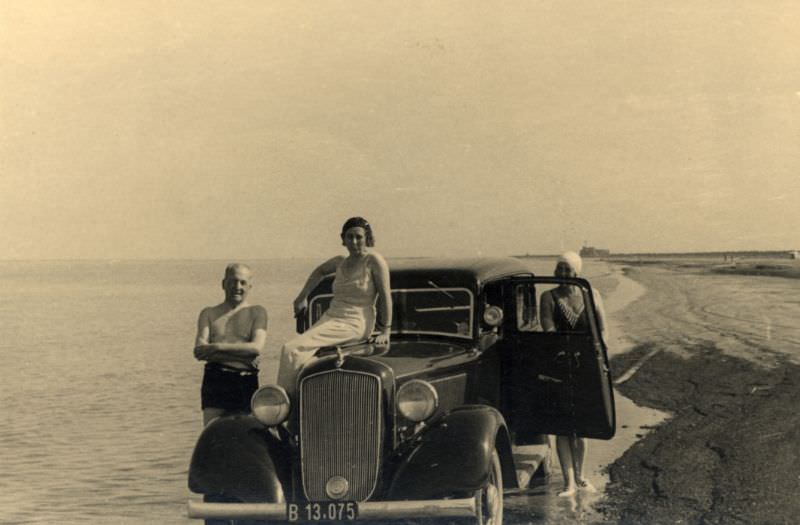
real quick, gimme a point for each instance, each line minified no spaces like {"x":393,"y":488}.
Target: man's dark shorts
{"x":227,"y":388}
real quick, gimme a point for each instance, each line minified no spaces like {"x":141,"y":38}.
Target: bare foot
{"x":569,"y":490}
{"x":586,"y":486}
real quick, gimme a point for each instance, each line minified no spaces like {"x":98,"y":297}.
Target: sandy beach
{"x":718,"y":348}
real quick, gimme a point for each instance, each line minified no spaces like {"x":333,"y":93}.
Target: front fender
{"x":451,"y":457}
{"x":236,"y":457}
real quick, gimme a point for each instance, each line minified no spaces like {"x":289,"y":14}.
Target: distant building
{"x":591,"y":251}
{"x":795,"y":254}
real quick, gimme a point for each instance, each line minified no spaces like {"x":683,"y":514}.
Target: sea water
{"x":101,"y":393}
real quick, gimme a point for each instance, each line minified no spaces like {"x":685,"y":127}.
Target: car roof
{"x":454,"y":272}
{"x":471,"y":273}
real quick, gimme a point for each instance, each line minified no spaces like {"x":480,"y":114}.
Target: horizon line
{"x":527,"y":254}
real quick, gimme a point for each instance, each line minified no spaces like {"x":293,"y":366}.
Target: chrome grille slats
{"x":340,"y":432}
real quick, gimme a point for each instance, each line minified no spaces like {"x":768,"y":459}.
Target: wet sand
{"x":721,"y":354}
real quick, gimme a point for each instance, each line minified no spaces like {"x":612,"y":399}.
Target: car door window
{"x":526,"y":308}
{"x":563,"y":312}
{"x":537,"y":308}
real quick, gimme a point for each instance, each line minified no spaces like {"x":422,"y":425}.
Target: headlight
{"x":270,"y":405}
{"x":417,"y":400}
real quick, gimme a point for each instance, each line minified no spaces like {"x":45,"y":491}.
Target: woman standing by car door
{"x":362,"y":278}
{"x":563,"y":309}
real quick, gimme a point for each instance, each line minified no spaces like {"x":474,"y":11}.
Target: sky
{"x":197,"y":130}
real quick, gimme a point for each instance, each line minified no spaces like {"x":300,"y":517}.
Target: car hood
{"x":403,"y":357}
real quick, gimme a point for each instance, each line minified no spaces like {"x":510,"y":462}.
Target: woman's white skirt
{"x":341,"y":326}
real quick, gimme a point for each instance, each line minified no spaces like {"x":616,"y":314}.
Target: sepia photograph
{"x":400,"y":262}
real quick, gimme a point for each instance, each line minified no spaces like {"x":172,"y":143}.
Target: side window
{"x":527,"y":312}
{"x":318,"y":306}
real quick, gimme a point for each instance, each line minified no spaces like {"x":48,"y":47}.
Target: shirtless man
{"x":230,"y":336}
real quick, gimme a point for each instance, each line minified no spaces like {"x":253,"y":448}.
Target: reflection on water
{"x":542,"y":505}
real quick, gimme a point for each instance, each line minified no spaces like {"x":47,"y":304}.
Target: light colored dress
{"x":354,"y":298}
{"x":349,"y":318}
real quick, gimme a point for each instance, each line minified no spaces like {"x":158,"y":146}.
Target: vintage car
{"x":428,"y":426}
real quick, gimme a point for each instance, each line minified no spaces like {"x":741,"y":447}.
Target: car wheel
{"x":490,"y":498}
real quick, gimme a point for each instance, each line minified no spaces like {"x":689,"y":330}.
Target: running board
{"x":527,"y":460}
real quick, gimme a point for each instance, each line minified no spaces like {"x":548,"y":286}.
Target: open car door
{"x":559,"y":381}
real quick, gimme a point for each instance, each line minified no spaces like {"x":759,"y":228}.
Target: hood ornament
{"x":339,"y":357}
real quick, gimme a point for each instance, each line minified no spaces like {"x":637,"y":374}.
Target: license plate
{"x":322,"y":511}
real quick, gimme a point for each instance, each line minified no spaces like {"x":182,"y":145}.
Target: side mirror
{"x":300,"y":320}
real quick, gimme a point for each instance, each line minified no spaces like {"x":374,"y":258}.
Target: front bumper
{"x":367,"y":510}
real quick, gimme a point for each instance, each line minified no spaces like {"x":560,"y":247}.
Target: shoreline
{"x":633,"y":420}
{"x":765,"y":267}
{"x":728,"y":451}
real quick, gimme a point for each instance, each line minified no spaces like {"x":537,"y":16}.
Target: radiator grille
{"x":340,"y":432}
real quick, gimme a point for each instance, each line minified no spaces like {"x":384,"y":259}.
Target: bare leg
{"x":579,"y":447}
{"x":564,"y":449}
{"x":211,"y":413}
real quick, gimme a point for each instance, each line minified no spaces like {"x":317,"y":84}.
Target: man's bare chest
{"x":235,"y":325}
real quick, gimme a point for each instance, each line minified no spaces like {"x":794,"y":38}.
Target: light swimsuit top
{"x":353,"y":289}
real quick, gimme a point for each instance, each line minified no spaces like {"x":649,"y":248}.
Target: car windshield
{"x":436,"y":311}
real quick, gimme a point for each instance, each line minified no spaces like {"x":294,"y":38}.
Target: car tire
{"x":490,"y":497}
